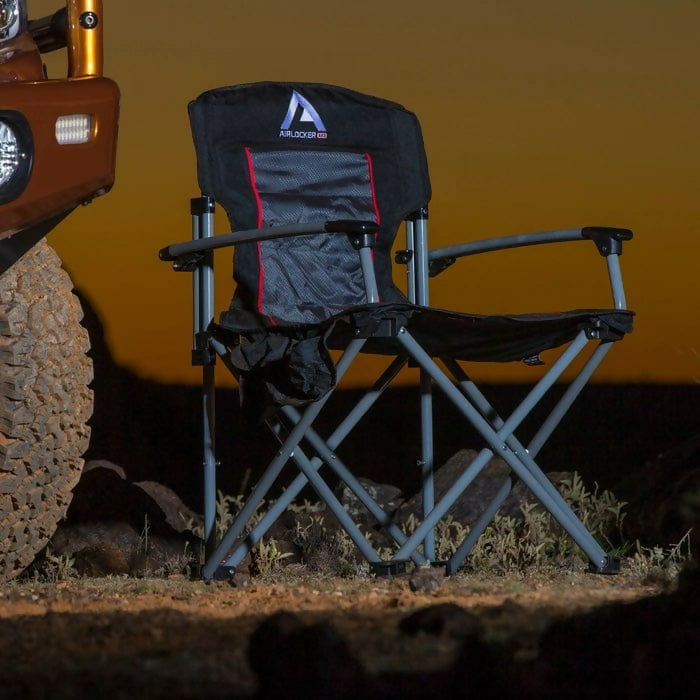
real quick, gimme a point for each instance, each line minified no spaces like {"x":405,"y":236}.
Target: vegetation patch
{"x":531,"y":539}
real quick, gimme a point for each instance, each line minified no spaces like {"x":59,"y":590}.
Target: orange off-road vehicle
{"x":57,"y":152}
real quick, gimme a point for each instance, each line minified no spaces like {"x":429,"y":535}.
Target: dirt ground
{"x":125,"y":637}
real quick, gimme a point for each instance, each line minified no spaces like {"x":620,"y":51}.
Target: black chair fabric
{"x":342,"y":155}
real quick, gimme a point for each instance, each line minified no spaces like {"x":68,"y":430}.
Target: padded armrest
{"x":608,"y":240}
{"x":176,"y":251}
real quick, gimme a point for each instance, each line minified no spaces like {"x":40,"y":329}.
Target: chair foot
{"x":388,"y":568}
{"x":222,"y":573}
{"x":611,"y":565}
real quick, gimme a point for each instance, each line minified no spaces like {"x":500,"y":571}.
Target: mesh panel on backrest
{"x":309,"y":278}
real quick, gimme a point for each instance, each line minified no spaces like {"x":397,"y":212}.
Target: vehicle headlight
{"x":11,"y":13}
{"x":15,"y":155}
{"x":9,"y":153}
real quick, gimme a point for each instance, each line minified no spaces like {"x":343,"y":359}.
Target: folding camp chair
{"x":316,"y":180}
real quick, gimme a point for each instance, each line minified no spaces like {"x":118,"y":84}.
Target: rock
{"x":425,"y":580}
{"x":471,"y":503}
{"x":113,"y":548}
{"x":240,"y":580}
{"x":177,"y":514}
{"x":114,"y":526}
{"x":443,"y":620}
{"x":388,"y":497}
{"x":103,"y":495}
{"x":104,"y":464}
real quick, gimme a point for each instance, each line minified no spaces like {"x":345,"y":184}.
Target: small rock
{"x":240,"y":580}
{"x":388,"y":497}
{"x":425,"y":580}
{"x":443,"y":620}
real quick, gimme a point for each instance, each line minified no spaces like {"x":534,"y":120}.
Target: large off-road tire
{"x":45,"y":403}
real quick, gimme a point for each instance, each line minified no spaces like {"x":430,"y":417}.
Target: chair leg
{"x":497,"y":440}
{"x":498,"y":433}
{"x":343,"y":473}
{"x":263,"y":486}
{"x":291,"y":450}
{"x":291,"y":492}
{"x":462,"y":552}
{"x":427,"y":462}
{"x":274,"y":468}
{"x":470,"y":390}
{"x":309,"y":474}
{"x":209,"y":460}
{"x":570,"y":395}
{"x":551,"y":422}
{"x":340,"y":433}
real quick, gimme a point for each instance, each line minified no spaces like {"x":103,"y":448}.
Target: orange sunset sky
{"x":536,"y":115}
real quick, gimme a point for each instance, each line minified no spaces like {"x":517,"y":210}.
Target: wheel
{"x":45,"y":403}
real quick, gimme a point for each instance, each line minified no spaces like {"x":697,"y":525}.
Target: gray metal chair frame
{"x":295,"y":428}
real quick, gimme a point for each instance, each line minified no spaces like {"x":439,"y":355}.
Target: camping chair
{"x":316,"y":180}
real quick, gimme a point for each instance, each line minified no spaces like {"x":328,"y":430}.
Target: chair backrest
{"x":282,"y":153}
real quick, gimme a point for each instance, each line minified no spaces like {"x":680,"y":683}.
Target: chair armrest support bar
{"x":460,"y":250}
{"x":370,"y":279}
{"x":177,"y":250}
{"x":608,"y":240}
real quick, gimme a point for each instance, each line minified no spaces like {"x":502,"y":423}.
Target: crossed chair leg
{"x":472,"y":404}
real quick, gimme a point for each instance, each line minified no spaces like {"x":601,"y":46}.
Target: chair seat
{"x":473,"y":337}
{"x":290,"y":364}
{"x":462,"y":336}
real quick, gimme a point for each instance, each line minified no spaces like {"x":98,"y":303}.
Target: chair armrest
{"x":350,"y":227}
{"x":608,"y":241}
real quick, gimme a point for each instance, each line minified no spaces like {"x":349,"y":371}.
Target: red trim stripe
{"x":258,"y":201}
{"x":374,"y":197}
{"x":371,"y":184}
